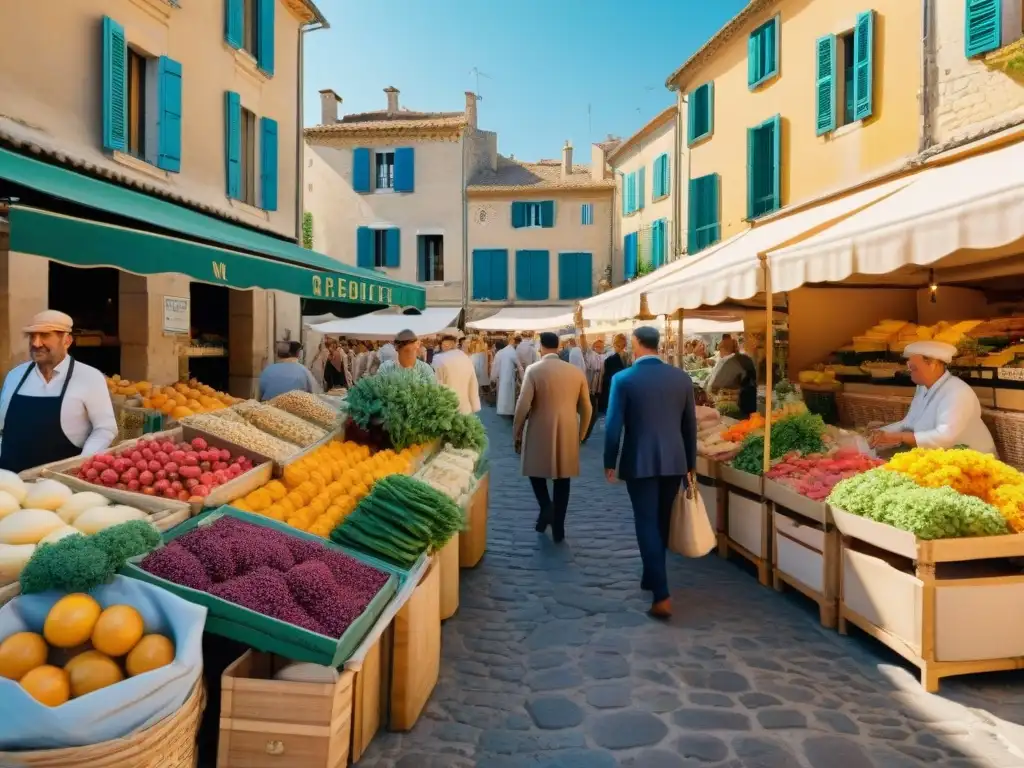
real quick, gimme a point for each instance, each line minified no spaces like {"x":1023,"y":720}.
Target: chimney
{"x":392,"y":93}
{"x":471,"y":109}
{"x":598,"y":162}
{"x":566,"y":159}
{"x":329,"y":102}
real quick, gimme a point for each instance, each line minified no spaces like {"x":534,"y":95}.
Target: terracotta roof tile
{"x":545,"y":174}
{"x":369,"y":122}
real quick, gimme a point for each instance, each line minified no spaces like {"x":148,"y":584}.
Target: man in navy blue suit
{"x":653,"y":402}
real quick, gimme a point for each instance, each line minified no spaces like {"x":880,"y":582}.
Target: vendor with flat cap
{"x":53,"y":407}
{"x":455,"y":370}
{"x":944,"y":413}
{"x":407,"y":347}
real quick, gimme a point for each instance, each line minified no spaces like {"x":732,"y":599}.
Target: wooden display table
{"x":416,"y":651}
{"x":747,"y":524}
{"x":713,"y":495}
{"x":448,"y":563}
{"x":473,"y":540}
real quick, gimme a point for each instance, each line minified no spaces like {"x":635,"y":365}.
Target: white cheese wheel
{"x":13,"y":484}
{"x":78,"y":503}
{"x":46,"y":494}
{"x":28,"y":526}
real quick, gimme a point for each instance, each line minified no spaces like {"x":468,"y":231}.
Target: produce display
{"x":893,"y":498}
{"x":245,"y":435}
{"x":319,"y":490}
{"x":710,"y":442}
{"x":399,"y":520}
{"x":741,"y":429}
{"x":308,"y":407}
{"x":294,"y":580}
{"x":452,"y":472}
{"x":176,"y":401}
{"x":284,"y":425}
{"x":815,"y":475}
{"x":801,"y":432}
{"x":82,"y":648}
{"x":163,"y":467}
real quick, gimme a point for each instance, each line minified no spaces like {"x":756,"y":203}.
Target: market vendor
{"x":53,"y":407}
{"x":945,"y":411}
{"x":407,"y":347}
{"x":735,"y":377}
{"x":455,"y":370}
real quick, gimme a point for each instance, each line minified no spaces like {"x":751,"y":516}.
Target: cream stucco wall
{"x":812,"y":166}
{"x":490,"y":227}
{"x":968,"y":97}
{"x":435,"y":207}
{"x":51,"y":83}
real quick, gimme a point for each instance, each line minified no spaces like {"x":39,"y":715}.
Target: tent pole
{"x":769,"y":340}
{"x":679,"y":338}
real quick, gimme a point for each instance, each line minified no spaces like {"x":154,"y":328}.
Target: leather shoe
{"x":557,"y":533}
{"x":662,"y":609}
{"x":543,"y":521}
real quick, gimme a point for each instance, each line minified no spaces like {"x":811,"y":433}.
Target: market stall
{"x":385,"y":324}
{"x":522,"y":319}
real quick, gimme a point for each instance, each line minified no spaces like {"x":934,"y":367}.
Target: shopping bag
{"x":690,"y":532}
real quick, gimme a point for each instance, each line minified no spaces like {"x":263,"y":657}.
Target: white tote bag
{"x":690,"y":532}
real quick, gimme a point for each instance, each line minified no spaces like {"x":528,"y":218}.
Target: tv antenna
{"x":476,"y":73}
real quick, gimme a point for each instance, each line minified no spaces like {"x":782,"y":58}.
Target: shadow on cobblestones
{"x":551,"y":663}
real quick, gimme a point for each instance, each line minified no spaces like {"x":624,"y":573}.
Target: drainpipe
{"x":465,"y":237}
{"x":677,"y":202}
{"x":927,"y":39}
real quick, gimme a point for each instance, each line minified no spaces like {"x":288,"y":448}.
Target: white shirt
{"x":455,"y":370}
{"x":945,"y":415}
{"x":526,"y":354}
{"x":576,"y":358}
{"x":387,"y":352}
{"x":86,"y":416}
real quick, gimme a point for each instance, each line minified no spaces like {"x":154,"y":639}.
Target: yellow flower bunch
{"x":970,"y":473}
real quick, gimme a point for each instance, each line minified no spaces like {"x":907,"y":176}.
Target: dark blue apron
{"x":32,"y":432}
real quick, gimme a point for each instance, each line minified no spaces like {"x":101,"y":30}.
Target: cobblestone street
{"x":552,"y":663}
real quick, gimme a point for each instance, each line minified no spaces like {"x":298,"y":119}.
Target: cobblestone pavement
{"x":551,"y":663}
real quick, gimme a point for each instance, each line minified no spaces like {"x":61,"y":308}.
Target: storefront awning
{"x":525,"y":319}
{"x":623,"y":302}
{"x":385,"y":324}
{"x":200,"y":246}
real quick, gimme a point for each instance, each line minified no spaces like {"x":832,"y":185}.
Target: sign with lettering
{"x":351,"y":289}
{"x":177,"y":315}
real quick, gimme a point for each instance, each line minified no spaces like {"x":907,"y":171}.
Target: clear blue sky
{"x":546,"y":61}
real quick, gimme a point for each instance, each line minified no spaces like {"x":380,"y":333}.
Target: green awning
{"x":209,"y":249}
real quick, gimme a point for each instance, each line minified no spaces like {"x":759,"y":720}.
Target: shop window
{"x":431,"y":258}
{"x":764,"y":168}
{"x":763,"y":53}
{"x":248,"y":192}
{"x":380,"y":248}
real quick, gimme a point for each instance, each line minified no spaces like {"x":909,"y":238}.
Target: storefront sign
{"x":176,"y":315}
{"x":345,"y":288}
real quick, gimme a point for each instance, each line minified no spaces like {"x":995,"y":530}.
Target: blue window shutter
{"x":691,"y":117}
{"x":753,"y":56}
{"x":693,"y":212}
{"x":983,"y":26}
{"x":585,"y":275}
{"x":713,"y":203}
{"x":361,"y":169}
{"x":518,"y":215}
{"x":168,"y":120}
{"x":481,"y":275}
{"x":566,"y":275}
{"x":863,"y":65}
{"x":547,"y":213}
{"x":265,"y":35}
{"x":234,"y":25}
{"x":540,"y":280}
{"x":752,"y":164}
{"x":115,"y":86}
{"x":392,"y":247}
{"x":710,"y":101}
{"x":233,"y":143}
{"x":776,"y":169}
{"x":629,"y":252}
{"x":405,"y":169}
{"x":825,"y":79}
{"x":625,"y":194}
{"x":268,"y":163}
{"x":656,"y":190}
{"x":499,"y":275}
{"x":641,"y":184}
{"x":364,"y":247}
{"x":523,"y":270}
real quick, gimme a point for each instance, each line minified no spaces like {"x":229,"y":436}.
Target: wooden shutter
{"x":825,"y":79}
{"x":547,"y":213}
{"x":753,"y":57}
{"x":481,"y":275}
{"x":983,"y":26}
{"x":691,"y":117}
{"x":752,"y":165}
{"x":641,"y":184}
{"x":115,"y":86}
{"x":693,"y":211}
{"x":709,"y":100}
{"x":361,"y":169}
{"x":499,"y":274}
{"x":567,"y":276}
{"x":168,"y":119}
{"x":234,"y":25}
{"x":518,"y":215}
{"x":863,"y":65}
{"x":712,"y":204}
{"x":524,"y":268}
{"x":405,"y":169}
{"x":265,"y":35}
{"x":268,"y":163}
{"x":392,"y":247}
{"x":629,"y":255}
{"x":585,"y":275}
{"x":540,"y":279}
{"x":776,"y":161}
{"x":364,"y":247}
{"x":233,"y":143}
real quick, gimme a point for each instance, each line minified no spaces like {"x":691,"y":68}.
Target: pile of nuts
{"x":245,"y":435}
{"x":308,"y":407}
{"x":283,"y":425}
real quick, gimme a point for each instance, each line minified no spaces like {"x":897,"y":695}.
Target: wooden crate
{"x":473,"y":540}
{"x":267,"y":723}
{"x":805,"y":556}
{"x":748,"y":530}
{"x":448,"y":562}
{"x":370,"y":697}
{"x":950,"y":607}
{"x":416,"y":651}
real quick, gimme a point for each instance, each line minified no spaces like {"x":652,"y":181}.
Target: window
{"x":764,"y":168}
{"x":249,"y":26}
{"x":587,"y":214}
{"x":532,"y":283}
{"x":248,"y":157}
{"x":845,"y":75}
{"x":490,"y":275}
{"x":629,"y":255}
{"x":378,"y":248}
{"x":984,"y":26}
{"x":540,"y":214}
{"x":659,"y":243}
{"x":575,"y":276}
{"x":661,"y":177}
{"x":384,"y":165}
{"x":633,"y":191}
{"x":703,"y":227}
{"x":136,"y":104}
{"x":847,"y":97}
{"x":431,"y":258}
{"x":533,"y":214}
{"x":700,"y":113}
{"x":763,"y":53}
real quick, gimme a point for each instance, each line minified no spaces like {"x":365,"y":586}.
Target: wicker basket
{"x":1007,"y":428}
{"x":857,"y":410}
{"x":171,"y":743}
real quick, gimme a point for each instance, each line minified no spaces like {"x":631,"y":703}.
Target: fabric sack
{"x":690,"y":531}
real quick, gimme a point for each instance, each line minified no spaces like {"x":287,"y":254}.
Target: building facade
{"x":540,"y":233}
{"x":644,"y":166}
{"x":196,"y":103}
{"x":386,"y":190}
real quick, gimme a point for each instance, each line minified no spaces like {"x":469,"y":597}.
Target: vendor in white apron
{"x":53,"y":408}
{"x":945,"y":411}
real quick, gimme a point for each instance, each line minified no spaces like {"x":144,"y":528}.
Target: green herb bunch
{"x":801,"y":432}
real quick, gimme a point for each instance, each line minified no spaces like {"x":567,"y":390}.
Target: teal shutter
{"x":481,"y":275}
{"x":233,"y":143}
{"x":392,"y":247}
{"x":776,"y":169}
{"x":523,"y":269}
{"x":825,"y":79}
{"x":168,"y":121}
{"x":585,"y":275}
{"x":364,"y":247}
{"x":265,"y":35}
{"x":656,"y":181}
{"x":518,"y":215}
{"x":234,"y":25}
{"x":115,"y":86}
{"x":641,"y":183}
{"x":983,"y":26}
{"x":405,"y":169}
{"x":625,"y":193}
{"x":863,"y":65}
{"x":709,"y":100}
{"x":567,"y":276}
{"x":753,"y":57}
{"x":752,"y":165}
{"x":499,"y":275}
{"x":361,"y":169}
{"x":629,"y":254}
{"x":540,"y":279}
{"x":547,"y":213}
{"x":691,"y":117}
{"x":693,"y":211}
{"x":712,"y":201}
{"x":268,"y":163}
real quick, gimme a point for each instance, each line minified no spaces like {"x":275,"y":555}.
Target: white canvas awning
{"x":384,"y":324}
{"x":623,"y":303}
{"x":525,"y":319}
{"x":731,"y":270}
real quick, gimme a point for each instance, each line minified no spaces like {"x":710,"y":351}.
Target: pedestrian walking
{"x":287,"y":373}
{"x":455,"y":370}
{"x":652,"y":404}
{"x":552,"y":416}
{"x":504,"y":371}
{"x":615,"y":362}
{"x":593,"y":360}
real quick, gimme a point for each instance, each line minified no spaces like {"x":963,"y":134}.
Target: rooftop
{"x":544,"y":174}
{"x":621,"y":145}
{"x":382,"y":120}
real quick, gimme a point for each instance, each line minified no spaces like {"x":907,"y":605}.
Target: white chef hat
{"x":937,"y":350}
